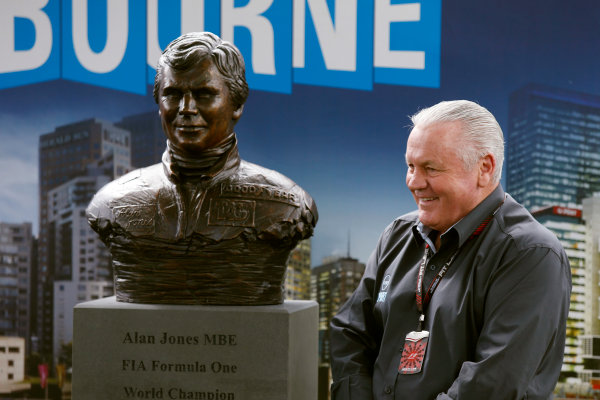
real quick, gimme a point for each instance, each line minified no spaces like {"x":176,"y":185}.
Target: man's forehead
{"x":433,"y":144}
{"x":201,"y":74}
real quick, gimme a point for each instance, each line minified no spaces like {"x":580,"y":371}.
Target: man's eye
{"x":203,"y":94}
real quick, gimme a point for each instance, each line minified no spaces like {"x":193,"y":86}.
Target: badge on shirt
{"x":384,"y":287}
{"x":413,"y":353}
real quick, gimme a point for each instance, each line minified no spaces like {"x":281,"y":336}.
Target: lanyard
{"x":423,"y":301}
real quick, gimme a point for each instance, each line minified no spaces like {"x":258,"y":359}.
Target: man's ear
{"x":487,"y":166}
{"x":237,"y":113}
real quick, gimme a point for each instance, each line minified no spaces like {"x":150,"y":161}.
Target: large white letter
{"x":261,"y":31}
{"x":12,"y":60}
{"x":192,"y":20}
{"x":337,"y":40}
{"x":385,"y":14}
{"x":117,"y":31}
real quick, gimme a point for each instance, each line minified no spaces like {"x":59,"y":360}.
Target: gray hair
{"x":481,"y":132}
{"x":192,"y":48}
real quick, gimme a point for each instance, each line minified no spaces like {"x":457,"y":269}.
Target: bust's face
{"x":195,"y":107}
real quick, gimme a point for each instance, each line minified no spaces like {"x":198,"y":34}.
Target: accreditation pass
{"x":413,"y":352}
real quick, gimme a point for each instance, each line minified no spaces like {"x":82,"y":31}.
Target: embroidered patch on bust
{"x":232,"y":212}
{"x":260,"y":192}
{"x":136,"y":219}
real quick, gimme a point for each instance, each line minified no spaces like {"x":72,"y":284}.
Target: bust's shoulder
{"x":249,"y":170}
{"x":251,"y":173}
{"x":134,"y":187}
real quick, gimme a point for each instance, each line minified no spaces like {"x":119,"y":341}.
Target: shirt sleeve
{"x":522,"y":339}
{"x":355,"y":336}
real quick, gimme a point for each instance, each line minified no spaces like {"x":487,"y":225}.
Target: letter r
{"x":263,"y":41}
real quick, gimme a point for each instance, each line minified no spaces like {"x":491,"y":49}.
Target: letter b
{"x":26,"y":42}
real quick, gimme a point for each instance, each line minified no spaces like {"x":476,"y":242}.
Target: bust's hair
{"x":192,"y":48}
{"x":481,"y":133}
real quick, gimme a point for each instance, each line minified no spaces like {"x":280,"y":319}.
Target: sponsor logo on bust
{"x":135,"y":218}
{"x":260,"y":192}
{"x":384,"y":287}
{"x":232,"y":212}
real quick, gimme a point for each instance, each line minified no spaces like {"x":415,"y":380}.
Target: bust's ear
{"x":237,"y":113}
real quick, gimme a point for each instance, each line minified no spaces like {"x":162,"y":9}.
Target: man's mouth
{"x":425,"y":200}
{"x":189,"y":128}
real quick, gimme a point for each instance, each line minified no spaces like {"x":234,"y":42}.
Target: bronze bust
{"x":203,"y":226}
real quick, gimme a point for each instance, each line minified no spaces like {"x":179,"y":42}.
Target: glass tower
{"x":570,"y":229}
{"x":553,"y":147}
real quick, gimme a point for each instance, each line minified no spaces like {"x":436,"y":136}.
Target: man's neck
{"x":182,"y":167}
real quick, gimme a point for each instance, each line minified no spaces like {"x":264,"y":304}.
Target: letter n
{"x":29,"y":42}
{"x":333,"y":43}
{"x":104,"y":43}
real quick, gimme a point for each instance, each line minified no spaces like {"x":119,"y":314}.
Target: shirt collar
{"x":467,"y":225}
{"x":221,"y":165}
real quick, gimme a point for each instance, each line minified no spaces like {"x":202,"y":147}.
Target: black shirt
{"x":497,"y":320}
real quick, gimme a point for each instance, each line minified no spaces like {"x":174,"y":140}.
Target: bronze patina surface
{"x":203,"y":226}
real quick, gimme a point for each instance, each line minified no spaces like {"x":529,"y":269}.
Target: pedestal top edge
{"x":111,"y":302}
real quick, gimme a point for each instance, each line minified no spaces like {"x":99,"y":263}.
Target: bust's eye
{"x":171,"y":94}
{"x":202,"y":94}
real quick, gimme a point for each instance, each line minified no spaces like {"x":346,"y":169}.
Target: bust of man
{"x":203,"y":226}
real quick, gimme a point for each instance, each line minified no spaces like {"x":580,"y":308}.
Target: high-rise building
{"x":16,"y":268}
{"x":81,"y":262}
{"x":331,"y":284}
{"x":148,"y":140}
{"x":553,"y":146}
{"x":591,"y":216}
{"x":63,"y":155}
{"x":570,"y":229}
{"x":297,"y":278}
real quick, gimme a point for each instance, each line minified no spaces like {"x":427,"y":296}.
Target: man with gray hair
{"x":465,"y":298}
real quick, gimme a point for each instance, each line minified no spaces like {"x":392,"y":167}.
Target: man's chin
{"x":191,"y":147}
{"x":426,"y":219}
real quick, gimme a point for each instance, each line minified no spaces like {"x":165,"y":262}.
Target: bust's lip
{"x":189,"y":127}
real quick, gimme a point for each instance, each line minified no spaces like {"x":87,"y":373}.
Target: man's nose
{"x":415,"y":179}
{"x":187,"y":104}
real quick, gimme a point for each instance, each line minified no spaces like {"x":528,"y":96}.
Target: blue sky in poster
{"x":346,"y":147}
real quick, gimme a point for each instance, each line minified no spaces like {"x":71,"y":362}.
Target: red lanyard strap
{"x":423,"y":301}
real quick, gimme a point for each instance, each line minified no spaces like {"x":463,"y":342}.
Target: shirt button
{"x":388,"y":389}
{"x":432,"y":267}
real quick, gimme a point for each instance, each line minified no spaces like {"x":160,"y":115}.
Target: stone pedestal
{"x":140,"y":351}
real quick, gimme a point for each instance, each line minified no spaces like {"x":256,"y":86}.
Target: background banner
{"x":332,"y":83}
